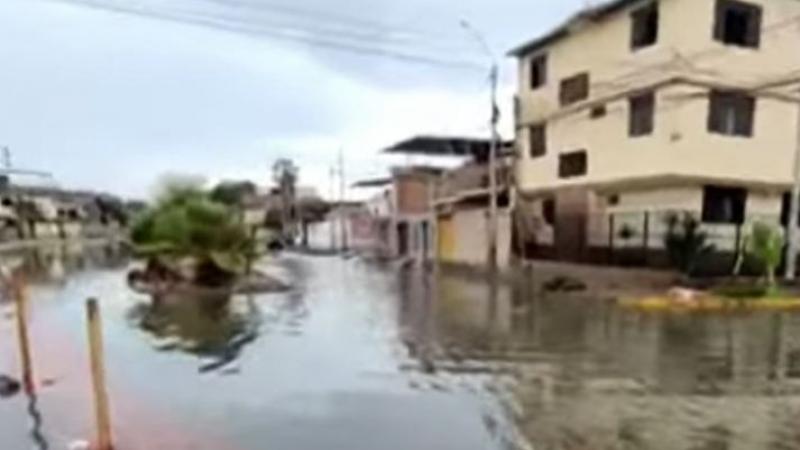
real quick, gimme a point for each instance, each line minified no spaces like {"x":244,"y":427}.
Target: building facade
{"x":462,"y":214}
{"x":657,"y":106}
{"x":413,"y":221}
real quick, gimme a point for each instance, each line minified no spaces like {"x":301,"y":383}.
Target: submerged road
{"x":362,"y":357}
{"x":335,"y":363}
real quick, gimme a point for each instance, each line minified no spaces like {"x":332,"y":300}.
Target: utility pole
{"x":492,"y":225}
{"x":342,"y":218}
{"x":332,"y":196}
{"x":794,"y":211}
{"x":7,"y":158}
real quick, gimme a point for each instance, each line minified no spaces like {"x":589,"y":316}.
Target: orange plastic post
{"x":21,"y":299}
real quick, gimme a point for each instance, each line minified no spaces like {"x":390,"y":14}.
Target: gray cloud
{"x":108,"y":100}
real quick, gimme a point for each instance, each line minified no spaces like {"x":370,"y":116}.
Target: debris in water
{"x":79,"y":445}
{"x":8,"y":386}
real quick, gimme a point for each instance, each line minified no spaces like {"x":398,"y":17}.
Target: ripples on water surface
{"x":373,"y":358}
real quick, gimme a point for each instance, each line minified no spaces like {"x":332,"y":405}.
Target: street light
{"x":495,"y":117}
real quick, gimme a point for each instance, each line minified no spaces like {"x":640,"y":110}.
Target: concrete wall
{"x":680,"y":143}
{"x":45,"y":230}
{"x":412,"y":193}
{"x":659,"y":204}
{"x":72,"y":230}
{"x":469,"y":240}
{"x":362,"y":233}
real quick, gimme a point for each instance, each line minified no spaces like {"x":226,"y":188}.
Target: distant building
{"x":453,"y":224}
{"x":33,"y":206}
{"x":424,"y":212}
{"x":348,"y":226}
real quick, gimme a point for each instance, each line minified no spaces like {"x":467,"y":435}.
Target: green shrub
{"x":765,"y":245}
{"x":188,"y":224}
{"x":685,"y":242}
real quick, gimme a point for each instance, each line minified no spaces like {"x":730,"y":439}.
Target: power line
{"x":293,"y":33}
{"x":574,"y":114}
{"x":689,"y":59}
{"x":329,"y":17}
{"x":320,"y":23}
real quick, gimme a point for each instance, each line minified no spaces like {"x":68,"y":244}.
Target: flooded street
{"x":378,"y":358}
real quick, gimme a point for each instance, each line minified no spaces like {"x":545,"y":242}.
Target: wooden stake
{"x":94,"y":323}
{"x":21,"y":300}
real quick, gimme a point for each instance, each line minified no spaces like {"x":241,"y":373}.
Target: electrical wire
{"x":319,"y":23}
{"x":289,"y":32}
{"x":329,"y":17}
{"x":689,"y":59}
{"x":296,"y":34}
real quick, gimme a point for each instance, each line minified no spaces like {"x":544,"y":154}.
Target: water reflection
{"x":215,"y":329}
{"x":566,"y":371}
{"x":579,"y":373}
{"x":37,"y":423}
{"x":54,"y":264}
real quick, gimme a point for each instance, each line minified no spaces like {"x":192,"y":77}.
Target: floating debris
{"x":79,"y":445}
{"x":9,"y":387}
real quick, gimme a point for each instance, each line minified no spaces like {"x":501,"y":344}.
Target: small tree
{"x":765,"y":245}
{"x":284,"y":175}
{"x":186,"y":224}
{"x":233,"y":193}
{"x":686,"y":243}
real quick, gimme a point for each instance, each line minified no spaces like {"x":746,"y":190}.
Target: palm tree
{"x":284,"y":175}
{"x":186,"y":228}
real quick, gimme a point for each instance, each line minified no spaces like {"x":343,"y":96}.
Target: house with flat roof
{"x":442,"y":213}
{"x":655,"y":106}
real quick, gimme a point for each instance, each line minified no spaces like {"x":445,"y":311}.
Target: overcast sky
{"x":110,"y":100}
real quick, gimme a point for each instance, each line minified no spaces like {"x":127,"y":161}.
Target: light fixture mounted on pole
{"x":492,"y":225}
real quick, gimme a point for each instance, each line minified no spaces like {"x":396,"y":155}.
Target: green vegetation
{"x":747,"y":291}
{"x":686,"y":243}
{"x":187,"y":235}
{"x":233,"y":193}
{"x":765,"y":246}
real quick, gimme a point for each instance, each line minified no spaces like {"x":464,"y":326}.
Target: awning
{"x":447,"y":146}
{"x":373,"y":183}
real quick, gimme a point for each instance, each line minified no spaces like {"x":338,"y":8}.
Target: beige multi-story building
{"x":658,"y":105}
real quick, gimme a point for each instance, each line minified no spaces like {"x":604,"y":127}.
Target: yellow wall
{"x":462,"y":237}
{"x":446,"y":239}
{"x":680,"y":144}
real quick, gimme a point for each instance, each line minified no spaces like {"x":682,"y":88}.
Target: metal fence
{"x":638,"y":238}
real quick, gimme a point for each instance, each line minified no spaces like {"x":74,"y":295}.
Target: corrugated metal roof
{"x":445,"y":146}
{"x":376,"y":182}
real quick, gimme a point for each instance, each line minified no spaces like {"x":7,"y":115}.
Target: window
{"x":574,"y":89}
{"x":538,"y":141}
{"x":549,"y":211}
{"x":785,"y":208}
{"x":724,"y":205}
{"x":731,"y":113}
{"x":572,"y":164}
{"x":644,"y":26}
{"x":538,"y":71}
{"x":598,"y":112}
{"x":641,"y":114}
{"x":738,"y":23}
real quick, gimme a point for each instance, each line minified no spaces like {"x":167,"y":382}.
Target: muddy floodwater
{"x":365,"y":357}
